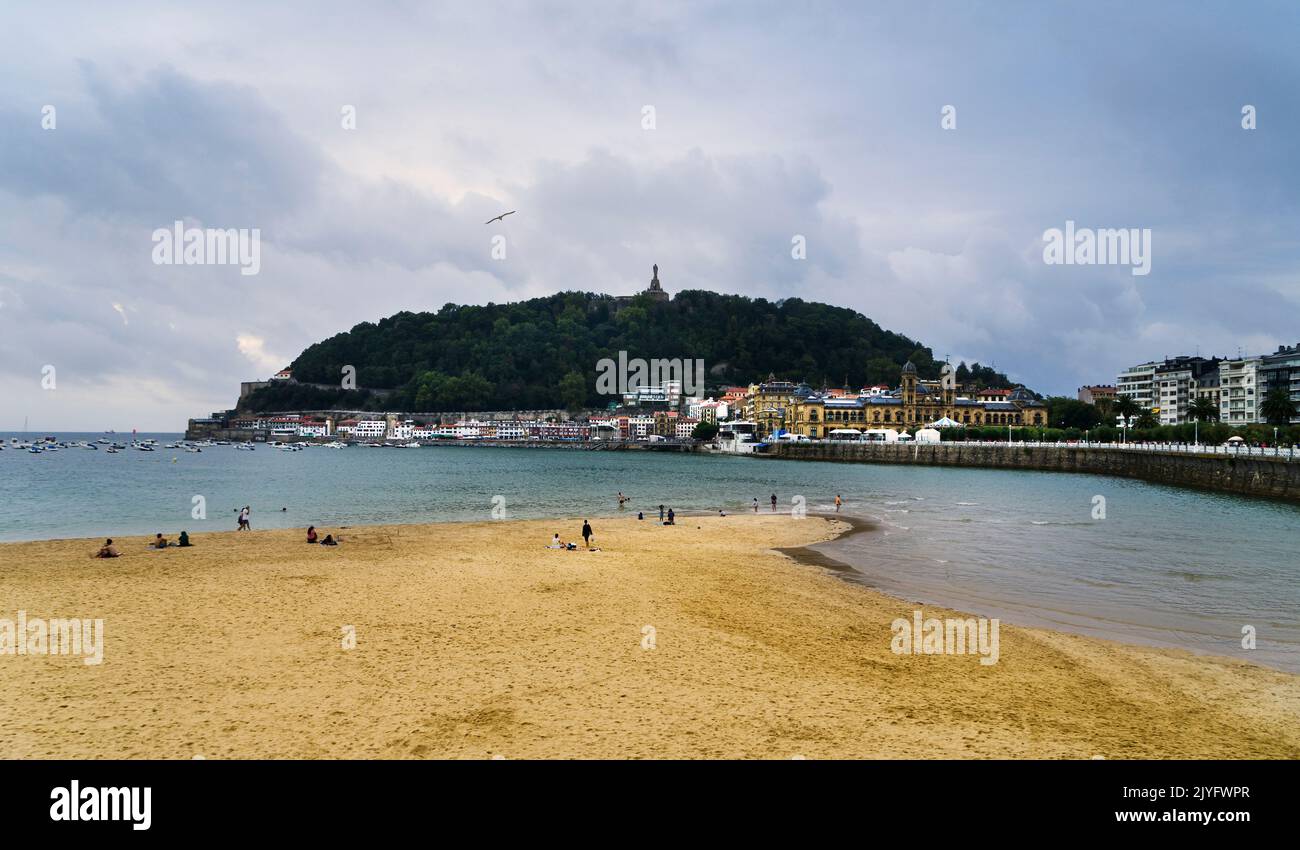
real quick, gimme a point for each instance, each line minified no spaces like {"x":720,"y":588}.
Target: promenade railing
{"x":1285,"y":453}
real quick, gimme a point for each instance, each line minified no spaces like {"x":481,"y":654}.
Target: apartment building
{"x":1177,"y":382}
{"x":1239,"y":391}
{"x":1281,"y":370}
{"x":1137,"y":383}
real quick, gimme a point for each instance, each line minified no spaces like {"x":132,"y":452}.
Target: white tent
{"x":927,"y":435}
{"x":945,"y":422}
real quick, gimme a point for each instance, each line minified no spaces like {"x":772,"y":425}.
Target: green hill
{"x":542,"y":353}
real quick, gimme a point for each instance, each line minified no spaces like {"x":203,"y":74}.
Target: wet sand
{"x":475,"y":641}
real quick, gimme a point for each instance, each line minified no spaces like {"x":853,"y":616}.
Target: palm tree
{"x":1203,"y":410}
{"x":1126,"y":408}
{"x":1277,"y":408}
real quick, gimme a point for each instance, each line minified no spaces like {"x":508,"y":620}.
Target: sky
{"x":770,"y":121}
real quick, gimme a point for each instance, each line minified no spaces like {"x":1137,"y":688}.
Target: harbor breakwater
{"x":1267,"y":477}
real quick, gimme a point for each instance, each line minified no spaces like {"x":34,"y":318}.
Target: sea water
{"x":1162,"y":565}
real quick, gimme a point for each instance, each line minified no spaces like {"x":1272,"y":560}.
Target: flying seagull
{"x":500,"y":217}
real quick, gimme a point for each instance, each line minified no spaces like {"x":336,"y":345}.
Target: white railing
{"x":1287,"y":453}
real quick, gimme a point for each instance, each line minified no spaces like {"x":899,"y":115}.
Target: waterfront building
{"x":370,"y":429}
{"x":707,"y":410}
{"x":512,"y":430}
{"x":314,"y":428}
{"x":1239,"y":390}
{"x":1281,"y":370}
{"x":915,"y":403}
{"x":640,"y":426}
{"x":1176,"y":383}
{"x":770,"y":404}
{"x":1136,"y":383}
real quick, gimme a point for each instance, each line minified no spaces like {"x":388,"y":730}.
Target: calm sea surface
{"x":1167,"y":566}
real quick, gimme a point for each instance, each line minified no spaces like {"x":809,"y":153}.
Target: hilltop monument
{"x":654,"y":291}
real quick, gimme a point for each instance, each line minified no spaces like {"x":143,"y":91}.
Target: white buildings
{"x":1136,"y":383}
{"x":640,"y":427}
{"x":1172,"y":390}
{"x":369,"y":429}
{"x":707,"y":410}
{"x":313,"y":429}
{"x":1168,"y":387}
{"x":1238,"y":391}
{"x":512,"y":430}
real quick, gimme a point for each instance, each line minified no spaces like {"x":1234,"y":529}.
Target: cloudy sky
{"x":771,"y":120}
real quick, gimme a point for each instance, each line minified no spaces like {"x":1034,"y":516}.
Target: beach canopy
{"x":945,"y":422}
{"x":927,"y":435}
{"x":1235,"y":439}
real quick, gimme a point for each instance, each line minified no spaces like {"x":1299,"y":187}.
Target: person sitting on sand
{"x":108,"y":550}
{"x":672,"y":518}
{"x":556,"y":542}
{"x":311,"y":534}
{"x":329,"y":541}
{"x":721,"y":512}
{"x":640,"y":515}
{"x":159,"y":542}
{"x":184,"y":539}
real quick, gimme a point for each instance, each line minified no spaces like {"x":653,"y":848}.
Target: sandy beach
{"x":475,"y":641}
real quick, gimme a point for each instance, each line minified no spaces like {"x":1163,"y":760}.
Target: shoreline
{"x":804,"y":555}
{"x":473,"y":640}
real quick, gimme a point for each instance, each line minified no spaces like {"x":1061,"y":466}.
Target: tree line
{"x":543,"y":353}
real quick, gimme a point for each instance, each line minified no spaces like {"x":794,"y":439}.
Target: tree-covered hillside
{"x":543,"y":353}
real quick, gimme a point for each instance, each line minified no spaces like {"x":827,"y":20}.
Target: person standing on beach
{"x":243,"y":519}
{"x":586,"y":533}
{"x":661,"y":513}
{"x":837,"y":503}
{"x":773,"y":501}
{"x":755,"y":504}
